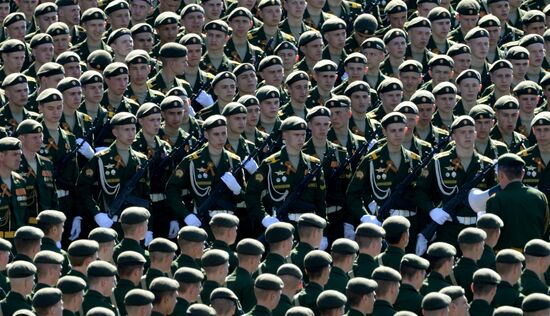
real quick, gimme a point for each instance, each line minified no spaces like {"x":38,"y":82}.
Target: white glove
{"x":251,"y":166}
{"x":421,"y":245}
{"x":192,"y":220}
{"x":148,"y":238}
{"x":349,"y":231}
{"x":204,"y":99}
{"x":324,"y":243}
{"x":192,"y":112}
{"x":231,"y":183}
{"x":174,"y":229}
{"x":370,"y":219}
{"x":373,"y":206}
{"x":98,"y":149}
{"x":58,"y":244}
{"x":480,"y":213}
{"x":439,"y":215}
{"x":103,"y":220}
{"x":269,"y":220}
{"x":86,"y":150}
{"x":76,"y":228}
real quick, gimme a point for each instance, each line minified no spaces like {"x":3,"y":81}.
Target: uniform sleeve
{"x":253,"y":196}
{"x":321,"y":195}
{"x":354,"y":193}
{"x":178,"y":181}
{"x":86,"y":186}
{"x":426,"y":197}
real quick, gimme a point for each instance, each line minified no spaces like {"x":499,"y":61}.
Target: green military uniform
{"x":252,"y":55}
{"x":15,"y":301}
{"x":151,"y":95}
{"x":338,"y":280}
{"x":257,"y":37}
{"x":308,"y":20}
{"x":315,"y":99}
{"x":82,"y":124}
{"x":433,"y":283}
{"x":157,"y":83}
{"x":40,"y":186}
{"x":8,"y":121}
{"x":240,"y":281}
{"x":123,"y":286}
{"x":508,"y":294}
{"x":516,"y":145}
{"x":184,"y":261}
{"x":226,"y":64}
{"x":308,"y":296}
{"x":83,"y":50}
{"x":49,"y":244}
{"x":409,"y":299}
{"x":371,"y":125}
{"x":271,"y":263}
{"x":93,"y":299}
{"x":465,"y":267}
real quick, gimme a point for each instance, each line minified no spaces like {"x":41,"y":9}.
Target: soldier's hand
{"x":174,"y":229}
{"x":349,"y":231}
{"x":251,"y":166}
{"x":370,"y":219}
{"x":439,"y":215}
{"x":231,"y":183}
{"x":148,"y":238}
{"x":76,"y":228}
{"x":421,"y":245}
{"x":324,"y":243}
{"x":204,"y":99}
{"x":373,"y":206}
{"x":85,"y":149}
{"x":192,"y":220}
{"x":269,"y":220}
{"x":103,"y":220}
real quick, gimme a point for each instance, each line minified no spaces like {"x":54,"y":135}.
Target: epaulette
{"x":485,"y":159}
{"x":289,"y":37}
{"x":273,"y":158}
{"x":313,"y":159}
{"x":17,"y":176}
{"x":250,"y":36}
{"x":233,"y":156}
{"x":498,"y":143}
{"x":526,"y":152}
{"x":194,"y":155}
{"x":140,"y":155}
{"x":86,"y":117}
{"x":157,"y":93}
{"x":360,"y":138}
{"x":415,"y":156}
{"x":354,"y":5}
{"x":103,"y":152}
{"x":440,"y":130}
{"x":44,"y":158}
{"x":423,"y":142}
{"x":375,"y":154}
{"x":209,"y":75}
{"x":443,"y":154}
{"x":31,"y":79}
{"x":249,"y":143}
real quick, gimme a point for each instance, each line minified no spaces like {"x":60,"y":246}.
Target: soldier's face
{"x":411,"y":80}
{"x":468,"y":22}
{"x":313,"y":50}
{"x":17,"y":30}
{"x":240,"y":25}
{"x":507,"y":119}
{"x":395,"y":133}
{"x":326,"y":79}
{"x":168,"y":33}
{"x":4,"y":10}
{"x":269,"y":108}
{"x":535,"y":28}
{"x":18,"y":94}
{"x":494,"y":34}
{"x":520,"y":68}
{"x":469,"y":88}
{"x":397,"y":20}
{"x":11,"y":159}
{"x":123,"y":45}
{"x":173,"y":117}
{"x":445,"y":102}
{"x":536,"y":54}
{"x":215,"y":40}
{"x":396,"y":47}
{"x":425,"y":8}
{"x":247,"y":82}
{"x":374,"y":57}
{"x":72,"y":98}
{"x":391,"y":99}
{"x":294,"y":140}
{"x":295,"y":8}
{"x":288,"y":56}
{"x":464,"y":137}
{"x":412,"y":119}
{"x":441,"y":28}
{"x":46,"y":20}
{"x":236,"y":123}
{"x":226,"y":90}
{"x":51,"y":111}
{"x":94,"y":29}
{"x":501,"y":9}
{"x":273,"y":75}
{"x":528,"y":103}
{"x":253,"y":115}
{"x":355,"y":71}
{"x":441,"y":74}
{"x":61,"y":43}
{"x":216,"y":137}
{"x":299,"y":91}
{"x":150,"y":124}
{"x":69,"y":14}
{"x":4,"y":259}
{"x":419,"y":37}
{"x":271,"y":15}
{"x":139,"y":10}
{"x":336,"y":39}
{"x":194,"y":53}
{"x":193,"y":22}
{"x":93,"y":92}
{"x":542,"y":134}
{"x":139,"y":73}
{"x":119,"y":19}
{"x":462,"y":62}
{"x":143,"y":41}
{"x":319,"y":126}
{"x":51,"y":81}
{"x":360,"y":101}
{"x":212,"y":9}
{"x":483,"y":127}
{"x":425,"y":112}
{"x":340,"y":117}
{"x":479,"y":47}
{"x":117,"y":84}
{"x":125,"y":134}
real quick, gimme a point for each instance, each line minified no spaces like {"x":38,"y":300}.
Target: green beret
{"x":389,"y":85}
{"x":531,"y":39}
{"x":374,"y":43}
{"x":100,"y":311}
{"x":92,"y":14}
{"x":411,"y":65}
{"x":249,"y":246}
{"x":535,"y":302}
{"x":82,"y":248}
{"x":49,"y":95}
{"x":14,"y":79}
{"x":242,"y":68}
{"x":9,"y":143}
{"x":365,"y":23}
{"x":441,"y":250}
{"x":188,"y":275}
{"x":316,"y":260}
{"x":317,"y":111}
{"x":134,"y":214}
{"x":491,"y":221}
{"x":390,"y":118}
{"x":240,"y":12}
{"x":217,"y":25}
{"x":91,"y":76}
{"x":361,"y":286}
{"x":166,"y":18}
{"x":163,"y":284}
{"x":406,"y":107}
{"x":267,"y":92}
{"x":13,"y":17}
{"x":293,"y":123}
{"x":115,"y":6}
{"x":395,"y":6}
{"x":355,"y":86}
{"x":476,"y":32}
{"x":488,"y":20}
{"x":537,"y":248}
{"x":20,"y":269}
{"x":5,"y":245}
{"x":116,"y":34}
{"x":224,"y":294}
{"x":198,"y":309}
{"x":444,"y":88}
{"x":471,"y":235}
{"x":290,"y":269}
{"x":268,"y":3}
{"x":101,"y":269}
{"x":194,"y":234}
{"x":222,"y":76}
{"x":233,"y":108}
{"x":434,"y":301}
{"x":141,"y":28}
{"x":249,"y":100}
{"x":541,"y":119}
{"x":439,"y":13}
{"x":162,"y":245}
{"x":344,"y":246}
{"x":147,"y":109}
{"x":370,"y":230}
{"x":71,"y":284}
{"x":422,"y":97}
{"x":527,"y":87}
{"x":310,"y":219}
{"x":46,"y":297}
{"x":533,"y":16}
{"x":299,"y":311}
{"x":39,"y":39}
{"x":355,"y":58}
{"x":418,"y":22}
{"x":517,"y":53}
{"x":28,"y":233}
{"x":278,"y":232}
{"x":485,"y":276}
{"x":468,"y":7}
{"x":285,"y":45}
{"x":413,"y":261}
{"x":68,"y":83}
{"x":308,"y":37}
{"x":333,"y":24}
{"x":295,"y":76}
{"x":458,"y":49}
{"x":509,"y":256}
{"x":268,"y":281}
{"x":468,"y":74}
{"x":115,"y":69}
{"x":48,"y":257}
{"x":482,"y":111}
{"x":214,"y":257}
{"x":225,"y":220}
{"x":441,"y":60}
{"x":453,"y":291}
{"x":506,"y":102}
{"x":461,"y":121}
{"x":383,"y":273}
{"x":507,"y":311}
{"x":130,"y":258}
{"x":393,"y":34}
{"x":171,"y":102}
{"x":173,"y":50}
{"x":99,"y":59}
{"x":331,"y":299}
{"x":213,"y":122}
{"x":501,"y":64}
{"x":138,"y":297}
{"x":325,"y":65}
{"x":29,"y":126}
{"x":191,"y":8}
{"x":123,"y":118}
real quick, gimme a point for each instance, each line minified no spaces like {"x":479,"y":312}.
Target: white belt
{"x":214,"y":212}
{"x":333,"y":209}
{"x":404,"y":213}
{"x":62,"y":193}
{"x":466,"y":220}
{"x":157,"y":197}
{"x":294,"y":216}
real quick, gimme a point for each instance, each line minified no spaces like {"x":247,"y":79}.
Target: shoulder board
{"x":31,"y":79}
{"x":165,"y":144}
{"x":157,"y":93}
{"x":140,"y":155}
{"x":375,"y":154}
{"x":290,"y":38}
{"x":250,"y":35}
{"x":209,"y":75}
{"x":249,"y":143}
{"x":486,"y":159}
{"x":443,"y":154}
{"x":312,"y":159}
{"x":414,"y":156}
{"x":339,"y":147}
{"x":498,"y":143}
{"x":44,"y":158}
{"x":233,"y":156}
{"x":424,"y":143}
{"x":86,"y":117}
{"x":17,"y":176}
{"x":194,"y":155}
{"x":273,"y":158}
{"x":359,"y":138}
{"x":526,"y":152}
{"x":103,"y":152}
{"x":354,"y":5}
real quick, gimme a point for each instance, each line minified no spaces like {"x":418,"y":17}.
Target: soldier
{"x":519,"y":57}
{"x":247,"y":80}
{"x":235,"y":113}
{"x":310,"y":234}
{"x":81,"y":254}
{"x":134,"y":223}
{"x":161,"y":251}
{"x":267,"y":289}
{"x":390,"y":93}
{"x":114,"y":99}
{"x":288,"y":52}
{"x":340,"y":133}
{"x":534,"y":43}
{"x":412,"y":270}
{"x":317,"y":268}
{"x":166,"y":26}
{"x":72,"y":120}
{"x":5,"y":252}
{"x":361,"y":296}
{"x":369,"y":237}
{"x":484,"y":118}
{"x":197,"y":78}
{"x":190,"y":283}
{"x":48,"y":269}
{"x":536,"y":157}
{"x":467,"y":16}
{"x":468,"y":83}
{"x":191,"y":245}
{"x":21,"y":277}
{"x":528,"y":94}
{"x":291,"y":276}
{"x":325,"y":74}
{"x":334,"y":33}
{"x":27,"y":241}
{"x":99,"y":60}
{"x":477,"y":40}
{"x":130,"y":266}
{"x":224,"y":234}
{"x":173,"y":57}
{"x":441,"y":256}
{"x":397,"y":236}
{"x":508,"y":266}
{"x":424,"y":129}
{"x":411,"y":141}
{"x":268,"y":36}
{"x":419,"y":31}
{"x":107,"y":240}
{"x":215,"y":263}
{"x":271,"y":71}
{"x":492,"y":24}
{"x":343,"y":252}
{"x":445,"y":102}
{"x":491,"y":224}
{"x":251,"y":131}
{"x":459,"y":304}
{"x":173,"y":110}
{"x":224,"y":88}
{"x":279,"y":237}
{"x":238,"y":48}
{"x":501,"y":72}
{"x":121,"y":42}
{"x":535,"y":303}
{"x":92,"y":89}
{"x":101,"y":280}
{"x":435,"y":304}
{"x":42,"y":52}
{"x":360,"y":95}
{"x":297,"y":84}
{"x":269,"y":100}
{"x":166,"y":292}
{"x":93,"y":22}
{"x":330,"y":302}
{"x":15,"y":55}
{"x":363,"y":28}
{"x":17,"y":93}
{"x":138,"y":302}
{"x":440,"y":20}
{"x":388,"y":288}
{"x":193,"y":19}
{"x":72,"y":288}
{"x":470,"y":241}
{"x":214,"y":60}
{"x":225,"y":302}
{"x":484,"y":286}
{"x":51,"y":223}
{"x":411,"y":76}
{"x":139,"y":70}
{"x":310,"y":45}
{"x":536,"y":253}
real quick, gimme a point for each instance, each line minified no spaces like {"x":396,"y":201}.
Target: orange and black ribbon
{"x":5,"y":190}
{"x":51,"y":144}
{"x":540,"y":164}
{"x":119,"y":162}
{"x":456,"y":164}
{"x":289,"y":168}
{"x":210,"y":167}
{"x":390,"y":166}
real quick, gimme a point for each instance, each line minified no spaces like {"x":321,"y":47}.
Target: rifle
{"x":177,"y":150}
{"x":509,"y":35}
{"x":370,"y":5}
{"x":384,"y":210}
{"x":356,"y":157}
{"x":220,"y":188}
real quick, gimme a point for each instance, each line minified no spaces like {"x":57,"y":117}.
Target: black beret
{"x":267,"y":92}
{"x":217,"y":25}
{"x":434,"y":301}
{"x":249,"y":246}
{"x":269,"y":61}
{"x":46,"y":216}
{"x":224,"y":294}
{"x":133,"y":214}
{"x":413,"y":261}
{"x":100,"y":311}
{"x":130,"y":258}
{"x":453,"y":291}
{"x":485,"y":276}
{"x":308,"y":37}
{"x":444,"y":88}
{"x":13,"y":17}
{"x":91,"y":76}
{"x":48,"y":257}
{"x":509,"y":256}
{"x":533,"y":16}
{"x":268,"y":281}
{"x":99,"y":59}
{"x":39,"y":39}
{"x":393,"y":34}
{"x":411,"y":65}
{"x":365,"y":23}
{"x":5,"y":245}
{"x":418,"y":22}
{"x":171,"y":102}
{"x":527,"y":87}
{"x":101,"y":269}
{"x":316,"y":260}
{"x":344,"y":246}
{"x":506,"y":102}
{"x":267,"y":3}
{"x":279,"y":231}
{"x":83,"y":248}
{"x":115,"y":6}
{"x":46,"y":297}
{"x":50,"y":69}
{"x":355,"y":86}
{"x":439,"y":13}
{"x":164,"y":245}
{"x":491,"y":221}
{"x":178,"y":92}
{"x":541,"y":119}
{"x":20,"y":269}
{"x":242,"y":68}
{"x":471,"y":235}
{"x":476,"y":32}
{"x":92,"y":14}
{"x":213,"y":122}
{"x":222,"y":76}
{"x":68,"y":83}
{"x":375,"y":43}
{"x":285,"y":45}
{"x":461,"y":121}
{"x":488,"y":20}
{"x":115,"y":69}
{"x":299,"y":311}
{"x":395,"y":6}
{"x":191,"y":8}
{"x":422,"y":97}
{"x":14,"y":79}
{"x":173,"y":50}
{"x":28,"y":233}
{"x":71,"y":284}
{"x":315,"y":112}
{"x":123,"y":118}
{"x":214,"y":257}
{"x":535,"y":302}
{"x":333,"y":24}
{"x":249,"y":100}
{"x":147,"y":109}
{"x":468,"y":74}
{"x":361,"y":286}
{"x":370,"y":230}
{"x":406,"y":107}
{"x":12,"y":46}
{"x":390,"y":84}
{"x":198,"y":309}
{"x":43,"y":8}
{"x":223,"y":219}
{"x":190,"y":233}
{"x":290,"y":269}
{"x":295,"y":76}
{"x":325,"y":65}
{"x":507,"y":311}
{"x":501,"y":64}
{"x":331,"y":299}
{"x":141,"y":28}
{"x":441,"y":60}
{"x":138,"y":297}
{"x":9,"y":143}
{"x":29,"y":126}
{"x":386,"y":274}
{"x":118,"y":33}
{"x":441,"y":250}
{"x":458,"y":49}
{"x":293,"y":123}
{"x":240,"y":12}
{"x":166,"y":18}
{"x":537,"y":248}
{"x":531,"y":39}
{"x":163,"y":284}
{"x":468,"y":7}
{"x":482,"y":111}
{"x":390,"y":118}
{"x":188,"y":275}
{"x":66,"y":3}
{"x":517,"y":53}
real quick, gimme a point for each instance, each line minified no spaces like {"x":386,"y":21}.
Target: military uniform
{"x":480,"y":307}
{"x":516,"y":145}
{"x":157,"y":83}
{"x":41,"y":189}
{"x":83,"y":50}
{"x":13,"y":302}
{"x":150,"y":96}
{"x":185,"y":261}
{"x":433,"y":283}
{"x":122,"y":288}
{"x":258,"y":38}
{"x":409,"y":299}
{"x":82,"y":124}
{"x":8,"y":121}
{"x":253,"y":53}
{"x":463,"y":273}
{"x":308,"y":296}
{"x":537,"y":174}
{"x":241,"y":283}
{"x":530,"y":283}
{"x":507,"y":295}
{"x":383,"y":308}
{"x":95,"y":299}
